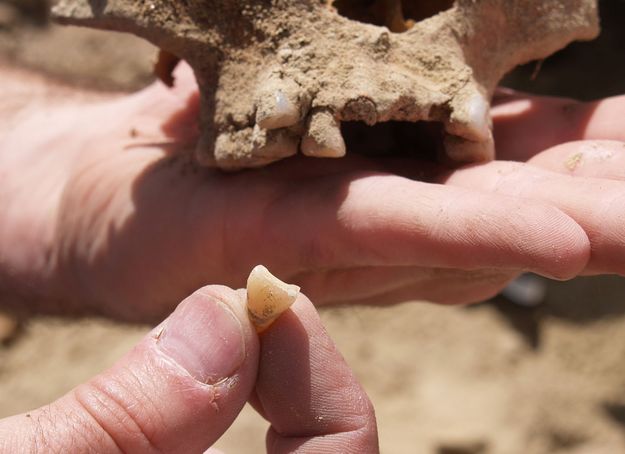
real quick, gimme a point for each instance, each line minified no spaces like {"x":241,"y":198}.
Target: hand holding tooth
{"x":184,"y":384}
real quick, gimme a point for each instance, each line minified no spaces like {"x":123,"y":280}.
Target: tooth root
{"x":459,"y":149}
{"x":323,"y":138}
{"x":279,"y":103}
{"x":267,"y":297}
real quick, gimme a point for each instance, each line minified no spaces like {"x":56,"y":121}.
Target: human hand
{"x":108,"y":213}
{"x":570,"y":155}
{"x":183,"y":385}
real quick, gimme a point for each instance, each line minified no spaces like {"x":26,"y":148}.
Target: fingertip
{"x":184,"y":78}
{"x":551,"y":121}
{"x":184,"y":384}
{"x":585,"y":158}
{"x":534,"y":230}
{"x":236,"y":300}
{"x":567,"y":248}
{"x":307,"y":391}
{"x":302,"y":315}
{"x":603,"y":119}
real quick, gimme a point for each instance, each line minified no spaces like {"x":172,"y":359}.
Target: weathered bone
{"x":271,"y":64}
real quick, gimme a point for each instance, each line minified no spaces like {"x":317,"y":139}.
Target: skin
{"x":155,"y":399}
{"x":104,"y":213}
{"x":104,"y":197}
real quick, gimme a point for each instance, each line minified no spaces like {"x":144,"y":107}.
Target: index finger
{"x":308,"y":393}
{"x":525,"y":125}
{"x":385,"y":220}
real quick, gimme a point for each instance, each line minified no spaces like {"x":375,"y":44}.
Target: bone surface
{"x":267,"y":297}
{"x":270,"y":65}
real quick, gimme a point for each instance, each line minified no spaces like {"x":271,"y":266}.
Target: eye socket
{"x":398,"y":15}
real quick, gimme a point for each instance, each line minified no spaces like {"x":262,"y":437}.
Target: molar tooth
{"x":267,"y":297}
{"x":323,"y":138}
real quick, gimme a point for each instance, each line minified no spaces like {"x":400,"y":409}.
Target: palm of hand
{"x":138,"y":226}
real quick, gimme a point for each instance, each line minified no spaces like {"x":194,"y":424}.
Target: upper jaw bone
{"x":267,"y":297}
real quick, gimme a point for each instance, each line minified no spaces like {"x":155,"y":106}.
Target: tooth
{"x":252,"y":147}
{"x":324,"y":138}
{"x":267,"y":297}
{"x":458,"y":149}
{"x":477,"y":115}
{"x":470,"y":117}
{"x":273,"y":144}
{"x":278,"y":103}
{"x":228,"y":153}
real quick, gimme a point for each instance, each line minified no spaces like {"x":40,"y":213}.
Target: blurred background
{"x":498,"y":377}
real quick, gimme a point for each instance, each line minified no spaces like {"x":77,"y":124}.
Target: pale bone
{"x":267,"y":297}
{"x":443,"y":69}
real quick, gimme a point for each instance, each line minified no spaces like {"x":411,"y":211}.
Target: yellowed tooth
{"x":323,"y":138}
{"x":267,"y":297}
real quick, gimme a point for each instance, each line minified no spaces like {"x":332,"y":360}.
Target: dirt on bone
{"x":442,"y":67}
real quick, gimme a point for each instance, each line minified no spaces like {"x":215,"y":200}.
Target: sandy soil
{"x":492,"y":378}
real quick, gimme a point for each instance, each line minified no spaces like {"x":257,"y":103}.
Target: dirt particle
{"x":573,"y":161}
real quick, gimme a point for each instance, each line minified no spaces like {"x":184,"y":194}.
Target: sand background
{"x":490,"y":378}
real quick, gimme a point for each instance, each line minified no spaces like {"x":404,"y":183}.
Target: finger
{"x":308,"y":393}
{"x":597,"y":205}
{"x":177,"y":391}
{"x":385,"y":220}
{"x":526,"y":125}
{"x":330,"y":286}
{"x":587,"y":158}
{"x":444,"y":287}
{"x":389,"y":285}
{"x":605,"y":119}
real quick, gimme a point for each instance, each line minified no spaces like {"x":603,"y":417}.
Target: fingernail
{"x":205,"y":338}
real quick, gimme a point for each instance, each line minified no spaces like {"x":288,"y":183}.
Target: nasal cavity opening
{"x":421,"y":139}
{"x":397,"y":15}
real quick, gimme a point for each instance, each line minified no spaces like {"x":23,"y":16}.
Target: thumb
{"x":177,"y":391}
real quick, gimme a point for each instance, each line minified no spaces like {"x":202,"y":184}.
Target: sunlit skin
{"x":105,"y":212}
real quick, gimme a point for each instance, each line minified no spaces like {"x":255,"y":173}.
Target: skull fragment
{"x":278,"y":77}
